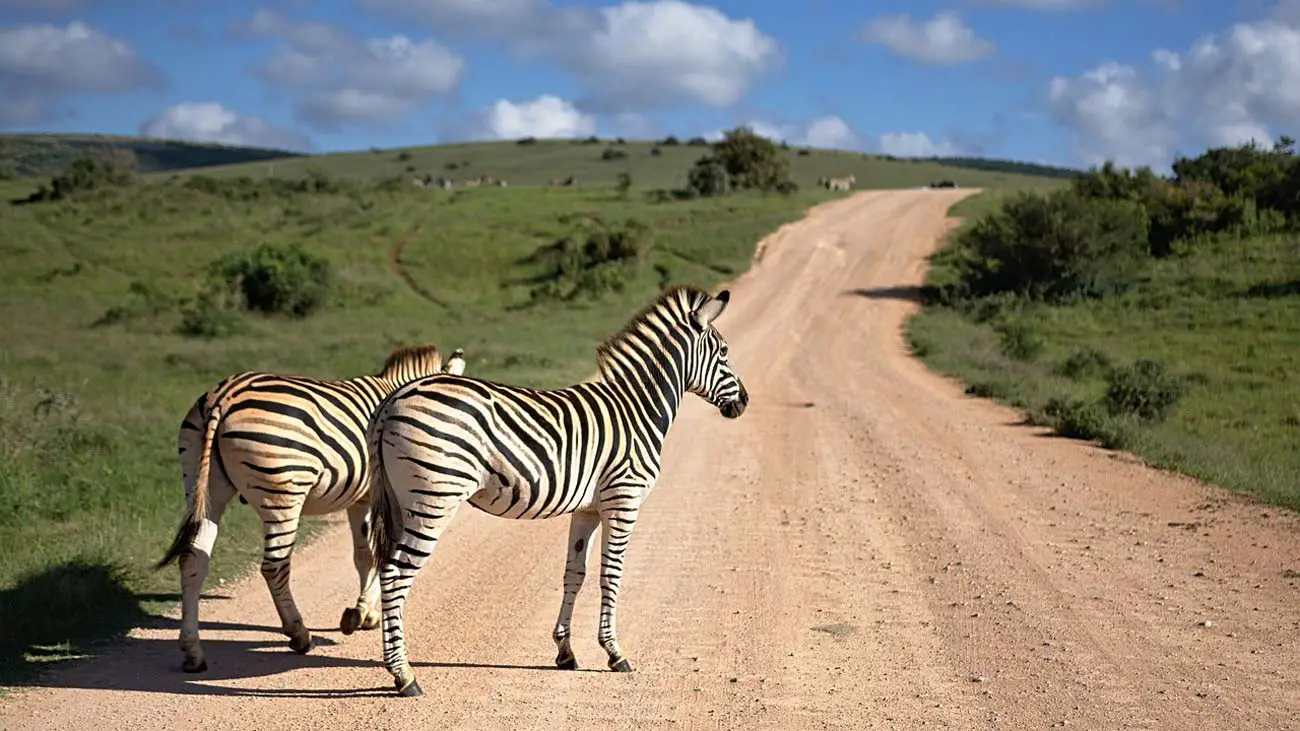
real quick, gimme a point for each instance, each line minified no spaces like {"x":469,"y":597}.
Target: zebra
{"x":563,"y":182}
{"x":591,"y":450}
{"x":840,"y":183}
{"x":288,"y":446}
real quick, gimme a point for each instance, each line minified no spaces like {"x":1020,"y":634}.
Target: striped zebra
{"x":288,"y":446}
{"x":590,"y":450}
{"x":844,"y":183}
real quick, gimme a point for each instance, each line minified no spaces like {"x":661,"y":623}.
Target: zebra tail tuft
{"x":197,"y":509}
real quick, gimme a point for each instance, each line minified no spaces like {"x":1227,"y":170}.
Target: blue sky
{"x":1066,"y":81}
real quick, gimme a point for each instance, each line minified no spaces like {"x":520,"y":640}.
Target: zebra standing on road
{"x":590,"y":450}
{"x":288,"y":446}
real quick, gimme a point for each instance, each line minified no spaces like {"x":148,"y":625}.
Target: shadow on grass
{"x":84,"y":609}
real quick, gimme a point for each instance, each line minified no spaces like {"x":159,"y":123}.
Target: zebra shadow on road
{"x":67,"y":627}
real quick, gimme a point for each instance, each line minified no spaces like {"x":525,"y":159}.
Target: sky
{"x":1069,"y":82}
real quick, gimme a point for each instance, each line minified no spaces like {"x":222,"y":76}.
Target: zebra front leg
{"x":411,"y":544}
{"x":280,"y":537}
{"x":618,"y":523}
{"x":581,"y":528}
{"x":365,"y":615}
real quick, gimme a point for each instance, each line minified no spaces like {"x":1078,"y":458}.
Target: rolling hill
{"x":661,"y":163}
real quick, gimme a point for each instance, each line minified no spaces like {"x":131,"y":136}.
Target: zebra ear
{"x":709,"y":311}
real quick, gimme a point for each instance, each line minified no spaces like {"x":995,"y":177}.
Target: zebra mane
{"x":674,"y":304}
{"x":427,"y":354}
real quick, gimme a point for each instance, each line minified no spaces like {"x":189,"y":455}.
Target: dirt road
{"x":865,"y":548}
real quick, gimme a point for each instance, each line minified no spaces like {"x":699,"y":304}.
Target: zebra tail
{"x":385,"y":515}
{"x":197,"y":509}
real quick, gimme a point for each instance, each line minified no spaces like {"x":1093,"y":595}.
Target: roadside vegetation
{"x":1158,"y":315}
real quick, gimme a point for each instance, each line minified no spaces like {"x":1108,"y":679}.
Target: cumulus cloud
{"x":41,"y":64}
{"x":212,"y":122}
{"x":1226,"y":89}
{"x":916,"y":144}
{"x":631,"y":57}
{"x":943,"y":40}
{"x":828,"y":132}
{"x":337,"y":78}
{"x":545,"y":116}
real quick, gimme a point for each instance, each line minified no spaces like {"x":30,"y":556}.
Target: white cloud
{"x":212,"y":122}
{"x":545,"y":116}
{"x":337,"y":78}
{"x":916,"y":144}
{"x":40,"y":64}
{"x":631,"y":57}
{"x":1226,"y":89}
{"x":828,"y":132}
{"x":943,"y":40}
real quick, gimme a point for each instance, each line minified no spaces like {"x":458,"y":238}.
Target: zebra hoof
{"x":191,"y":666}
{"x":350,"y":621}
{"x":410,"y":690}
{"x":622,"y":666}
{"x":300,"y":644}
{"x":566,"y":663}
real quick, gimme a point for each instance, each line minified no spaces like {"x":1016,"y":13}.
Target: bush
{"x":612,"y":154}
{"x":751,"y":160}
{"x":1079,"y":419}
{"x":404,"y":157}
{"x":604,"y":262}
{"x":1084,"y":363}
{"x":697,"y":142}
{"x":283,"y":279}
{"x":670,"y":140}
{"x":708,"y":178}
{"x":1051,"y":248}
{"x":526,"y":141}
{"x":655,"y":152}
{"x":209,"y":316}
{"x":1144,"y":389}
{"x":1019,"y":341}
{"x":86,"y":175}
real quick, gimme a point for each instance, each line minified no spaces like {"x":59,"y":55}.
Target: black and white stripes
{"x":288,"y":446}
{"x":590,"y":450}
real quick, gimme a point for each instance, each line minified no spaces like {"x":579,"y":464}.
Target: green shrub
{"x":604,"y":262}
{"x":624,"y":184}
{"x":1084,"y":363}
{"x":1051,"y":248}
{"x":1019,"y":341}
{"x":209,"y":315}
{"x":708,"y":178}
{"x":612,"y":154}
{"x":1080,"y":419}
{"x":1143,"y":389}
{"x":284,"y":279}
{"x":752,"y":162}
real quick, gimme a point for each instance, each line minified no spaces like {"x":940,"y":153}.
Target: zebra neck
{"x":650,"y":386}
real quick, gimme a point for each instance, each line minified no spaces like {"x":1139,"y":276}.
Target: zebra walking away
{"x":288,"y":446}
{"x":590,"y":450}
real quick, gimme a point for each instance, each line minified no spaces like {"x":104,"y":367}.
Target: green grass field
{"x":1225,"y":319}
{"x":95,"y":378}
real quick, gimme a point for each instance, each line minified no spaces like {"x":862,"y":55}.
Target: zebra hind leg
{"x":194,"y":572}
{"x":411,"y":545}
{"x":581,"y":528}
{"x":280,"y":537}
{"x":365,"y":615}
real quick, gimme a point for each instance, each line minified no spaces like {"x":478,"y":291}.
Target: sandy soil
{"x":865,"y":548}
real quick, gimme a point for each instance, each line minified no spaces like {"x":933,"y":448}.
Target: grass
{"x":1224,"y":319}
{"x":96,"y":378}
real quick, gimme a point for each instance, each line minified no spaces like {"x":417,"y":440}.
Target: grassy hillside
{"x":1157,"y":316}
{"x":25,"y":155}
{"x":114,"y":327}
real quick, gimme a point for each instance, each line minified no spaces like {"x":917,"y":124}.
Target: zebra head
{"x":708,"y":369}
